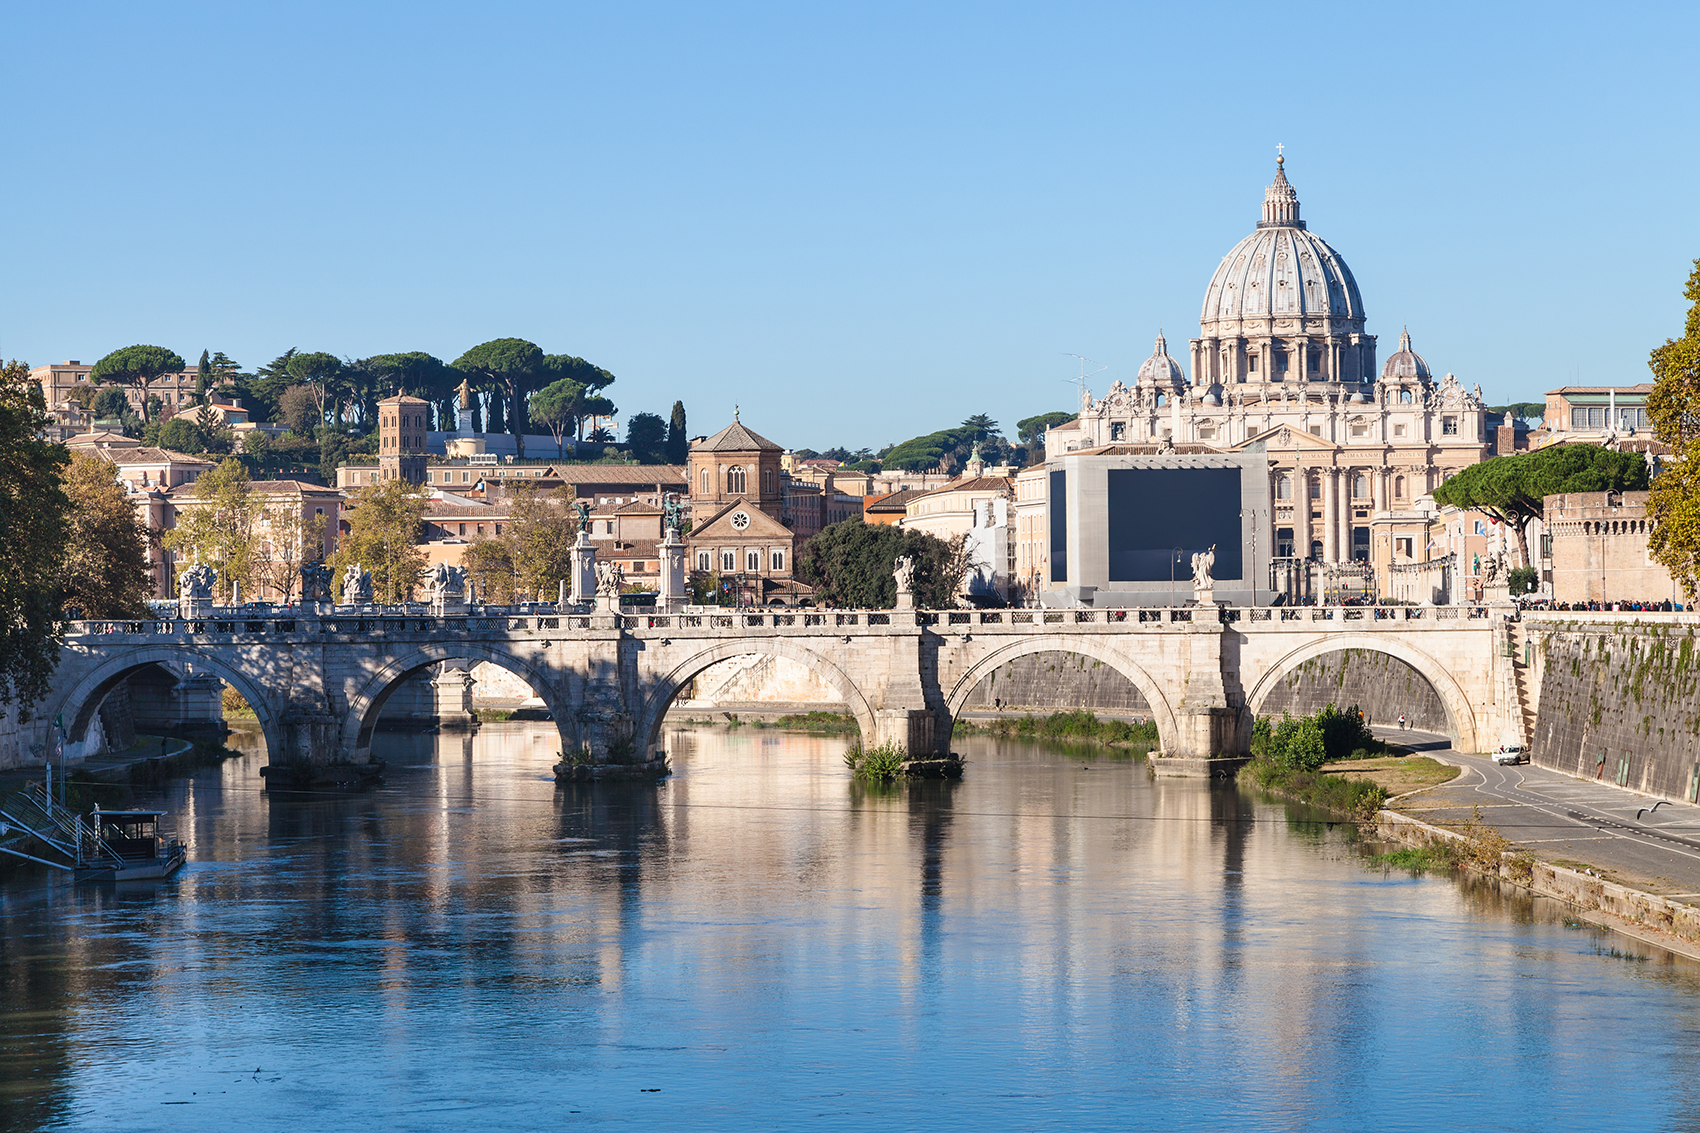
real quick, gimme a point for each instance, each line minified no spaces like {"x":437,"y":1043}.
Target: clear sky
{"x":860,"y":222}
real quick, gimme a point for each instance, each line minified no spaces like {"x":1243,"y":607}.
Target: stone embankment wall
{"x":1620,"y":702}
{"x":1059,"y":682}
{"x":1381,"y":686}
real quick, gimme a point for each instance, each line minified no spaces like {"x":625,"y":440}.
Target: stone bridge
{"x":318,"y":682}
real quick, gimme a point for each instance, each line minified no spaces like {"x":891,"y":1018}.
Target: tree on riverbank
{"x":106,"y":572}
{"x":1673,"y":407}
{"x":33,"y":511}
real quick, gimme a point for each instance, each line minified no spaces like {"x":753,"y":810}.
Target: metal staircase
{"x":33,"y":811}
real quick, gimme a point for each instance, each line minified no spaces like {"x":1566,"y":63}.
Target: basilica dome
{"x":1282,"y":269}
{"x":1160,"y":369}
{"x":1406,"y":364}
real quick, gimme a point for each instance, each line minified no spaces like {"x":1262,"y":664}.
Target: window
{"x":1284,"y":542}
{"x":735,"y":480}
{"x":1207,"y":432}
{"x":1360,"y":487}
{"x":1162,"y":400}
{"x":1315,"y":488}
{"x":465,"y":476}
{"x":1360,"y":430}
{"x":752,"y":560}
{"x":705,"y":481}
{"x":463,"y":529}
{"x":702,"y":560}
{"x":1117,"y":430}
{"x":1402,"y":547}
{"x":1315,"y":362}
{"x":1280,"y":361}
{"x":480,"y":529}
{"x":638,"y":566}
{"x":1283,"y":487}
{"x":1449,"y":426}
{"x":1251,"y":363}
{"x":1398,"y":487}
{"x":1316,"y":430}
{"x":767,"y":481}
{"x":728,"y":560}
{"x":779,"y":560}
{"x":1398,"y":430}
{"x":1404,"y":397}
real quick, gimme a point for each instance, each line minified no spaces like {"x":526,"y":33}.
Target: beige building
{"x":978,"y":509}
{"x":59,"y":380}
{"x":1595,"y":547}
{"x":229,"y":414}
{"x":739,"y":533}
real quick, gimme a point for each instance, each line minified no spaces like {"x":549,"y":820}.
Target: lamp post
{"x":1173,"y":559}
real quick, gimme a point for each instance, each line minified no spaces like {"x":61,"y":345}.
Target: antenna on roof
{"x":1080,"y":379}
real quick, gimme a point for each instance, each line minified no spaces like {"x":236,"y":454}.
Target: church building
{"x":1283,"y":361}
{"x":739,"y":534}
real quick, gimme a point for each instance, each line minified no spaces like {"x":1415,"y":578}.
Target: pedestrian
{"x":1401,"y":720}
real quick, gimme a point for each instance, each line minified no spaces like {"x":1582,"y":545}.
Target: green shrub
{"x":881,"y":764}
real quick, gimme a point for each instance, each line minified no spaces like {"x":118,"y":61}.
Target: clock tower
{"x":739,"y":535}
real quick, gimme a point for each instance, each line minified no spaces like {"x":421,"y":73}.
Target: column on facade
{"x":1330,"y":516}
{"x":1378,"y":483}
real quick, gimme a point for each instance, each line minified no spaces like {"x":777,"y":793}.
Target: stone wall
{"x":1620,"y":703}
{"x":1059,"y":682}
{"x":1380,"y":685}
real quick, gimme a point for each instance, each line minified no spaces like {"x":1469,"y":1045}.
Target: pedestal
{"x":584,"y":569}
{"x":673,"y":595}
{"x":905,"y":600}
{"x":194,"y":609}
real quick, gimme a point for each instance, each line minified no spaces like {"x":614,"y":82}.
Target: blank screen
{"x":1154,"y":511}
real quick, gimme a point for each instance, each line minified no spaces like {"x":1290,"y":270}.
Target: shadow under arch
{"x":367,"y":704}
{"x":1161,"y":713}
{"x":1460,"y":717}
{"x":662,"y":693}
{"x":79,"y":704}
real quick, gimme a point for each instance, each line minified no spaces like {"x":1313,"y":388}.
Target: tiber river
{"x":1056,"y":942}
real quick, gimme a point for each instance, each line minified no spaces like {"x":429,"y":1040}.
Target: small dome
{"x":1405,"y":364}
{"x":1160,"y":369}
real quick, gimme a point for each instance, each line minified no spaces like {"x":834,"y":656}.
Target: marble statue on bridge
{"x":315,"y":582}
{"x":194,"y":590}
{"x":1203,"y":583}
{"x":446,"y":582}
{"x":903,"y":570}
{"x":356,"y":586}
{"x":610,"y":579}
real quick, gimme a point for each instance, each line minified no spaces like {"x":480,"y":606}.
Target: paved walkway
{"x":1648,"y":844}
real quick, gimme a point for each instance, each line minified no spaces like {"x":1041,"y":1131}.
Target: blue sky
{"x":858,"y":222}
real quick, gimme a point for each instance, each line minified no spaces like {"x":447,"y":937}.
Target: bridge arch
{"x":1161,"y":713}
{"x":661,"y":694}
{"x":367,"y":703}
{"x":1460,"y":717}
{"x":78,"y":705}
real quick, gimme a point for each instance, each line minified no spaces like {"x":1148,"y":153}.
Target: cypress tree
{"x":677,"y":446}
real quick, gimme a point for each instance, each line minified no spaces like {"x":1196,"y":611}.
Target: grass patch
{"x":881,"y":764}
{"x":494,"y":715}
{"x":815,"y":722}
{"x":1417,"y":859}
{"x":1358,"y":799}
{"x":1396,"y":775}
{"x":1068,"y":726}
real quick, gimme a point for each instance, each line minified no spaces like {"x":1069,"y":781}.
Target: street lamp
{"x":1173,"y":559}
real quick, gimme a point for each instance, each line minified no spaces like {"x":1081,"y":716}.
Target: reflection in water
{"x":1057,"y":941}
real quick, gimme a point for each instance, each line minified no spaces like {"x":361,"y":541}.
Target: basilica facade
{"x":1282,"y":361}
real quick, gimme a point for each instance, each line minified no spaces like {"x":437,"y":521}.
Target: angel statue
{"x":197,"y":581}
{"x":583,"y":510}
{"x":609,"y":579}
{"x":356,"y":586}
{"x":904,"y":571}
{"x":1203,"y":562}
{"x":315,"y":582}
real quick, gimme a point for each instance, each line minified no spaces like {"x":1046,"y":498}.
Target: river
{"x":1056,"y":942}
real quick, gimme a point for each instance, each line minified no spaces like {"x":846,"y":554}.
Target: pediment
{"x":1286,"y":436}
{"x":720,"y":525}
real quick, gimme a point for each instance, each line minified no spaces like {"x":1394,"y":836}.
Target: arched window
{"x":1360,"y":486}
{"x":705,"y":487}
{"x":779,"y":560}
{"x":1404,"y":397}
{"x":728,"y":560}
{"x":735,"y":481}
{"x":1398,"y":487}
{"x":767,"y":481}
{"x":702,"y":560}
{"x":752,"y":560}
{"x":1283,"y":487}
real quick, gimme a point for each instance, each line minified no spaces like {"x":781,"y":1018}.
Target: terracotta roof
{"x":632,"y":549}
{"x":647,"y":475}
{"x":302,"y":486}
{"x":147,"y":455}
{"x":894,"y":502}
{"x":102,"y":437}
{"x":736,"y":438}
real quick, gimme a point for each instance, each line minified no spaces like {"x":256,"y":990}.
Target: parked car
{"x":1510,"y":753}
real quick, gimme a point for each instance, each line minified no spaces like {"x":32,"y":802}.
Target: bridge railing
{"x":401,"y":621}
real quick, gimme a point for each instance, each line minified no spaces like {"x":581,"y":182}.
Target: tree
{"x":1513,"y":488}
{"x":136,"y":366}
{"x":979,"y":427}
{"x":678,"y":443}
{"x":299,"y":410}
{"x":1673,"y":407}
{"x":217,"y":526}
{"x":512,"y":367}
{"x":556,"y":405}
{"x":106,"y":572}
{"x":179,"y":435}
{"x":646,"y":438}
{"x":203,"y":378}
{"x":416,"y":374}
{"x":851,"y":563}
{"x":268,"y":384}
{"x":1031,"y":430}
{"x":1532,"y":411}
{"x":540,"y":535}
{"x":489,"y":563}
{"x":947,"y":448}
{"x":110,"y":404}
{"x":33,"y":516}
{"x":383,"y":537}
{"x":322,"y":374}
{"x":257,"y":446}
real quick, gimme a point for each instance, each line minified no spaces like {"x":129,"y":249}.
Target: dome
{"x":1160,"y":369}
{"x":1281,"y":270}
{"x":1406,"y":364}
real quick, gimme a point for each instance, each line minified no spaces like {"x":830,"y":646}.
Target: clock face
{"x":740,"y":519}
